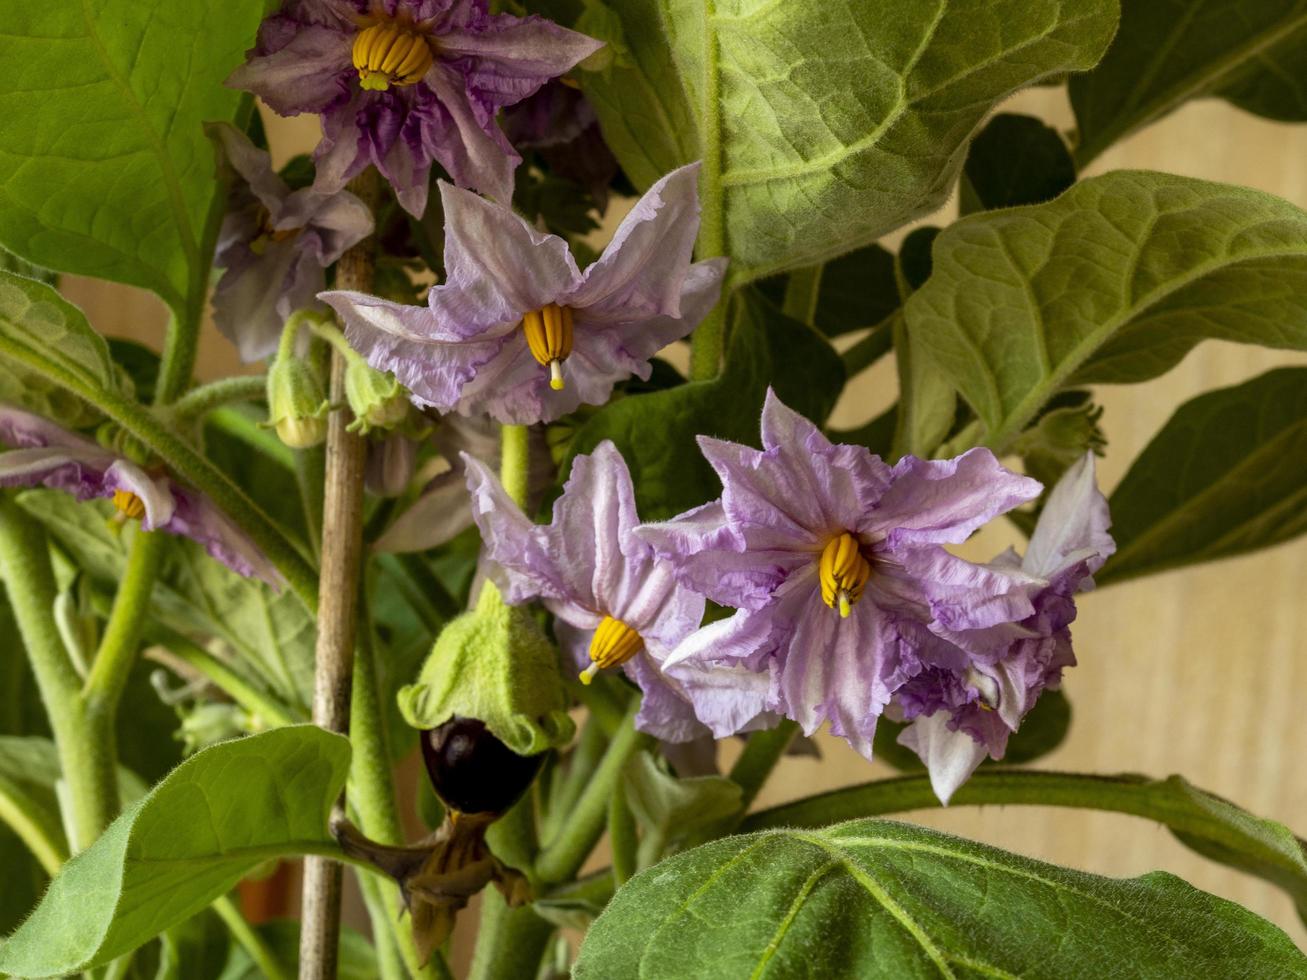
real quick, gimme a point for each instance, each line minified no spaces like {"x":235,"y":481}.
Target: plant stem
{"x":761,"y":753}
{"x":802,"y":292}
{"x":510,"y":942}
{"x":515,"y":462}
{"x":870,"y":348}
{"x":250,"y":940}
{"x":29,"y":581}
{"x":563,"y":856}
{"x":179,"y":347}
{"x":338,"y":591}
{"x":253,"y":699}
{"x":621,"y":835}
{"x":708,"y":343}
{"x":199,"y":402}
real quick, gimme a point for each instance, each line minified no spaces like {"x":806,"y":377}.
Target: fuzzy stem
{"x":802,"y":292}
{"x":708,"y":343}
{"x":199,"y":402}
{"x":515,"y":462}
{"x":342,"y":556}
{"x":621,"y":835}
{"x":29,"y":581}
{"x":510,"y":942}
{"x":563,"y":856}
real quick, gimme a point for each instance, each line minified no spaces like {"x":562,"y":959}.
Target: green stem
{"x":310,"y":473}
{"x":29,"y":581}
{"x":253,"y":699}
{"x":802,"y":292}
{"x":510,"y":942}
{"x":259,"y":951}
{"x":569,"y":785}
{"x":621,"y":835}
{"x":761,"y":753}
{"x":237,"y":424}
{"x":563,"y":856}
{"x":515,"y":462}
{"x":186,"y":463}
{"x":708,"y":344}
{"x":179,"y":348}
{"x":390,"y":965}
{"x":199,"y":402}
{"x":31,"y":827}
{"x":870,"y":348}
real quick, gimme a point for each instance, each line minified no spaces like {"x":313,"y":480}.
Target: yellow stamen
{"x":843,"y":572}
{"x":613,"y":644}
{"x":389,"y":53}
{"x":128,"y":504}
{"x":549,"y":335}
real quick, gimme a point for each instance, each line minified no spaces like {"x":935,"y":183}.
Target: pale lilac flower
{"x":614,"y":603}
{"x":834,"y":560}
{"x":965,"y":706}
{"x":403,"y":83}
{"x":46,"y":454}
{"x":560,"y":125}
{"x":517,"y":331}
{"x":275,"y":244}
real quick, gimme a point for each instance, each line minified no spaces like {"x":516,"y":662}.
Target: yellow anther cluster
{"x":549,"y":335}
{"x":390,"y":53}
{"x":844,"y":572}
{"x":128,"y":504}
{"x":613,"y":644}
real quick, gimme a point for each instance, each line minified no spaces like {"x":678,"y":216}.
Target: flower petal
{"x":257,"y":293}
{"x":474,"y":151}
{"x":156,"y":493}
{"x":252,"y":165}
{"x":199,"y":519}
{"x":310,"y":73}
{"x":950,"y":757}
{"x":442,"y":512}
{"x":1072,"y":526}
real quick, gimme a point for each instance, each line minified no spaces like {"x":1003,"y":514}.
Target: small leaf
{"x":857,"y":290}
{"x":800,"y":164}
{"x":1226,"y":475}
{"x":872,"y":898}
{"x":1015,"y":160}
{"x":1113,"y":282}
{"x":34,"y":315}
{"x":1251,"y":52}
{"x":215,"y":818}
{"x":656,"y":431}
{"x":106,"y":170}
{"x":673,"y":808}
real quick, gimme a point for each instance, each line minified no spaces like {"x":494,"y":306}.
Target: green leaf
{"x":656,"y":431}
{"x":1210,"y":825}
{"x":106,"y":170}
{"x":800,"y":164}
{"x":857,"y":290}
{"x":33,"y":314}
{"x":873,"y":898}
{"x":1014,"y":160}
{"x":358,"y":960}
{"x":1113,"y":282}
{"x":215,"y":818}
{"x":1252,"y":52}
{"x":1226,"y":475}
{"x":671,"y":808}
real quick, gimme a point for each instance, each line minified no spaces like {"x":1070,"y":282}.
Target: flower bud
{"x":390,"y":464}
{"x":297,"y":406}
{"x":377,"y":400}
{"x":495,"y":666}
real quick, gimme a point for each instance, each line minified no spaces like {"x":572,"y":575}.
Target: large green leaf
{"x":823,"y":128}
{"x":1112,"y":282}
{"x":211,"y":821}
{"x":1208,"y":824}
{"x":656,"y":431}
{"x":1014,"y":160}
{"x":33,"y":314}
{"x":104,"y":166}
{"x":873,"y":898}
{"x":1252,"y":52}
{"x":1227,"y":474}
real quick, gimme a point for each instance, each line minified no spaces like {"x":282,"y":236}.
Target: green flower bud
{"x":377,"y":400}
{"x":495,"y":665}
{"x":297,"y":407}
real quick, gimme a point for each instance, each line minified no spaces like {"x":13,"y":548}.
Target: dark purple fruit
{"x":472,"y":770}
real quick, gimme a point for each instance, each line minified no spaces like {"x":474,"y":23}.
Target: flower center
{"x":390,"y":53}
{"x":549,"y":335}
{"x":267,"y":234}
{"x":844,"y":572}
{"x":128,"y":504}
{"x":613,"y":644}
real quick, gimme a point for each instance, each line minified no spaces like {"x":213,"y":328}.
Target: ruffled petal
{"x":1072,"y":527}
{"x":198,"y":518}
{"x":254,"y":166}
{"x":642,"y":271}
{"x":24,"y":430}
{"x":521,"y":564}
{"x":156,"y":493}
{"x":950,"y":756}
{"x":474,"y":152}
{"x":443,"y":511}
{"x":254,"y":297}
{"x":939,"y":501}
{"x":310,"y":73}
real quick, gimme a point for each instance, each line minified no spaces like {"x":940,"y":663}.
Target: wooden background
{"x":1200,"y":671}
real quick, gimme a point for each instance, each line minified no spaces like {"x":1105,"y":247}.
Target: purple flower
{"x":561,"y":126}
{"x":614,"y":603}
{"x":274,"y":244}
{"x":966,"y":709}
{"x":834,"y":560}
{"x":517,"y":331}
{"x":402,"y":83}
{"x":46,"y":454}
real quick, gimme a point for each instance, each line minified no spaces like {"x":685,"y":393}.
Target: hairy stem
{"x":29,"y":582}
{"x":515,"y":462}
{"x":708,"y":343}
{"x":802,"y":292}
{"x":199,"y":402}
{"x":510,"y":943}
{"x":338,"y":591}
{"x":254,"y":945}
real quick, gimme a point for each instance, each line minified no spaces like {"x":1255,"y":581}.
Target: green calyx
{"x":297,"y":405}
{"x":493,"y":664}
{"x":377,"y":400}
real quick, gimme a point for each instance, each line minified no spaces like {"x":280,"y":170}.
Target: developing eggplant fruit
{"x":472,"y":770}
